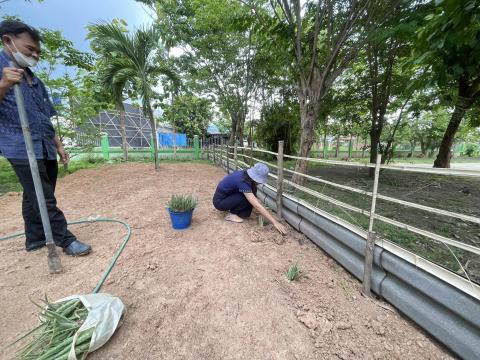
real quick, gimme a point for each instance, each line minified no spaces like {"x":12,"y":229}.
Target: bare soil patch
{"x":215,"y":291}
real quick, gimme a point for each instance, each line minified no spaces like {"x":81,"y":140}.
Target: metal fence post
{"x":196,"y":147}
{"x":105,"y":147}
{"x":280,"y":178}
{"x":370,"y":246}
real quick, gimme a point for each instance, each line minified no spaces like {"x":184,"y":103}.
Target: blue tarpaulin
{"x":166,"y":139}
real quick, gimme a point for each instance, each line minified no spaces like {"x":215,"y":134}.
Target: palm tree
{"x":131,"y":62}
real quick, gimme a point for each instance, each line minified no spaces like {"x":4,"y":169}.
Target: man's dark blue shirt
{"x":39,"y":110}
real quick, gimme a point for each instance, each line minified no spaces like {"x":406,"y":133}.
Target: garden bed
{"x":214,"y":291}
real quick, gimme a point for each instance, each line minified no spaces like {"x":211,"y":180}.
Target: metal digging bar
{"x":54,"y":264}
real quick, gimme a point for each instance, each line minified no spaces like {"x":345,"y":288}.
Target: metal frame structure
{"x":137,"y":127}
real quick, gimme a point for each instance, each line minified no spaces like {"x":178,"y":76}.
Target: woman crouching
{"x":237,"y":192}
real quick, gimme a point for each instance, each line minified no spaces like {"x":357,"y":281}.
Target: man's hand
{"x":10,"y":77}
{"x":64,"y":156}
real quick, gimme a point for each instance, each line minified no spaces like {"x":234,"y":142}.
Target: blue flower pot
{"x":180,"y":220}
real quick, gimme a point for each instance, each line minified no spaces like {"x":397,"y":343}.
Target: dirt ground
{"x":214,"y":291}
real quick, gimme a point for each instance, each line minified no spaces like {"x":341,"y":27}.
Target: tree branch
{"x":298,"y":40}
{"x":315,"y":39}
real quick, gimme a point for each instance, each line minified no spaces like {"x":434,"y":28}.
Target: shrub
{"x":471,"y":150}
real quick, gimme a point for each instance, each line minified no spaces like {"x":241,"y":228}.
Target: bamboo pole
{"x":370,"y":246}
{"x":279,"y":178}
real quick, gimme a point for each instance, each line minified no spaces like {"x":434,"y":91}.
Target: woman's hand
{"x":264,"y":212}
{"x":280,"y":227}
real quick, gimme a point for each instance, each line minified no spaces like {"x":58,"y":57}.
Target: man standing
{"x":21,"y":45}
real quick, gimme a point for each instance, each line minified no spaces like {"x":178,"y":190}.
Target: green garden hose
{"x":119,"y":251}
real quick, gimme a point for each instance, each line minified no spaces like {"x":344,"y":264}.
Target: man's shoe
{"x":77,"y":248}
{"x":34,"y":245}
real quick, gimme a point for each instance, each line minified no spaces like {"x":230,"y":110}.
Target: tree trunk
{"x":124,"y":135}
{"x":364,"y":145}
{"x":388,"y":151}
{"x":444,"y":153}
{"x":308,"y":116}
{"x":413,"y":143}
{"x":233,"y":131}
{"x":337,"y":149}
{"x":374,"y":144}
{"x":154,"y":132}
{"x":423,"y":147}
{"x":325,"y":150}
{"x":240,"y":122}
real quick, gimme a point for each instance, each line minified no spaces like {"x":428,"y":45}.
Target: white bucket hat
{"x":258,"y":173}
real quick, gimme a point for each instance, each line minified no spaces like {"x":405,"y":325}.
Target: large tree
{"x":218,"y":54}
{"x":189,"y":114}
{"x":449,"y":46}
{"x":325,"y":37}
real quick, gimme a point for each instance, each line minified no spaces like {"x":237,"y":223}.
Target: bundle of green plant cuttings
{"x":71,"y":328}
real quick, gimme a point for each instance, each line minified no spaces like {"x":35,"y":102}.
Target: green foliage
{"x":294,"y":273}
{"x":189,"y":114}
{"x":182,"y":203}
{"x":471,"y":150}
{"x":223,"y":125}
{"x":56,"y":49}
{"x":8,"y":179}
{"x":449,"y":40}
{"x":279,"y":122}
{"x":82,"y":97}
{"x":219,"y":51}
{"x":129,"y":63}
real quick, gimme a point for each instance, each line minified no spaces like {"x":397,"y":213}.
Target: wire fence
{"x":461,"y":254}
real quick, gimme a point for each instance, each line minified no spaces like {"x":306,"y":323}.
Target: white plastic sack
{"x":104,"y":314}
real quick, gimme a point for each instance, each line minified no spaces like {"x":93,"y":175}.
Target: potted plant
{"x":181,"y":209}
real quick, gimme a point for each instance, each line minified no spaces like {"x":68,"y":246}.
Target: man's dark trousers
{"x":34,"y":234}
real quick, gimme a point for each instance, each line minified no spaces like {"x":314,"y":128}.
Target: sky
{"x":71,"y":16}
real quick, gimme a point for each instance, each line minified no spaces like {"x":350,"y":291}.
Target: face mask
{"x":22,"y":60}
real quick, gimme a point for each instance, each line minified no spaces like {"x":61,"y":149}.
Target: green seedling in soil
{"x":260,"y":221}
{"x":294,"y":273}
